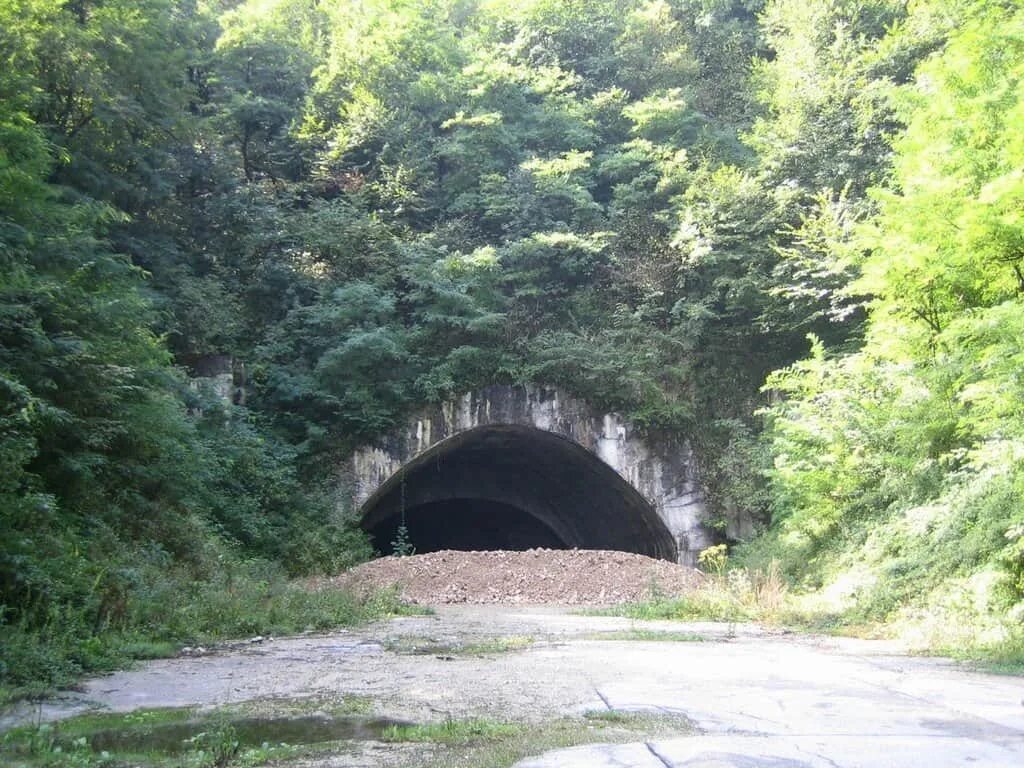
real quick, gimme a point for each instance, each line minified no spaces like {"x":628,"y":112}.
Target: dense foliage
{"x":370,"y":206}
{"x":897,"y":468}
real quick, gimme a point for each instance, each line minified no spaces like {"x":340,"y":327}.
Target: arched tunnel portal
{"x":513,"y":487}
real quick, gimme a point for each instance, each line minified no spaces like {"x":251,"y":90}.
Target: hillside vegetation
{"x":792,"y":230}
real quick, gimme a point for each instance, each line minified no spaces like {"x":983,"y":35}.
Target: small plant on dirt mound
{"x":402,"y":545}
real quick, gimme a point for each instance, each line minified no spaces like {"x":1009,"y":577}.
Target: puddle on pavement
{"x":174,"y":738}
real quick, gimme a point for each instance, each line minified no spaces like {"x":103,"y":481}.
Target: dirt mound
{"x":571,"y":577}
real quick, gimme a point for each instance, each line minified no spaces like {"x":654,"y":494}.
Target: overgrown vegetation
{"x":896,"y":479}
{"x":249,"y":600}
{"x":357,"y":208}
{"x":729,"y":593}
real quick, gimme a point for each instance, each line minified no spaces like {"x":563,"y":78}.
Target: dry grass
{"x":726,"y":594}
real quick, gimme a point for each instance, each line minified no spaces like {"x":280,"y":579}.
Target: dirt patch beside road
{"x":536,"y":576}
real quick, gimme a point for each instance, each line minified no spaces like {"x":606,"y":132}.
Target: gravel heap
{"x":563,"y":576}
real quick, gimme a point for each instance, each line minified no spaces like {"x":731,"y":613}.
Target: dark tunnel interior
{"x":516,"y":488}
{"x":469,"y":524}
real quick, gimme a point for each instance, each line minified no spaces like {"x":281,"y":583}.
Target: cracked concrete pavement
{"x":760,"y":699}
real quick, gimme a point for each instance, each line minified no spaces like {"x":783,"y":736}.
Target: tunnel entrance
{"x":513,"y":487}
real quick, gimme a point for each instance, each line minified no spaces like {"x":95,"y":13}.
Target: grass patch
{"x":426,"y":646}
{"x":649,"y":635}
{"x":145,"y":650}
{"x":452,"y":732}
{"x":693,"y":607}
{"x":287,"y":608}
{"x":499,"y":645}
{"x":1013,"y":666}
{"x":1005,"y":658}
{"x":349,"y":704}
{"x":140,"y":720}
{"x":617,"y":716}
{"x":1002,"y":658}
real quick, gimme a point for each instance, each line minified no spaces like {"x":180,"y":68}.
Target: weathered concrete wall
{"x":664,"y":474}
{"x":221,"y":376}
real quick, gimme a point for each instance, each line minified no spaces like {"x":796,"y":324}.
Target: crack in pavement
{"x":664,"y":760}
{"x":819,"y":756}
{"x":604,"y":699}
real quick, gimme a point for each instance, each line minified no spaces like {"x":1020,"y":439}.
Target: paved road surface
{"x":758,"y":698}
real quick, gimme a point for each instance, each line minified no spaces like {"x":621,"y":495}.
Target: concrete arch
{"x":530,"y":458}
{"x":513,"y":487}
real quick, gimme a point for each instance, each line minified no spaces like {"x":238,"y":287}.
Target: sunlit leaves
{"x":951,"y":239}
{"x":664,"y":117}
{"x":825,"y":125}
{"x":819,"y":261}
{"x":921,"y":431}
